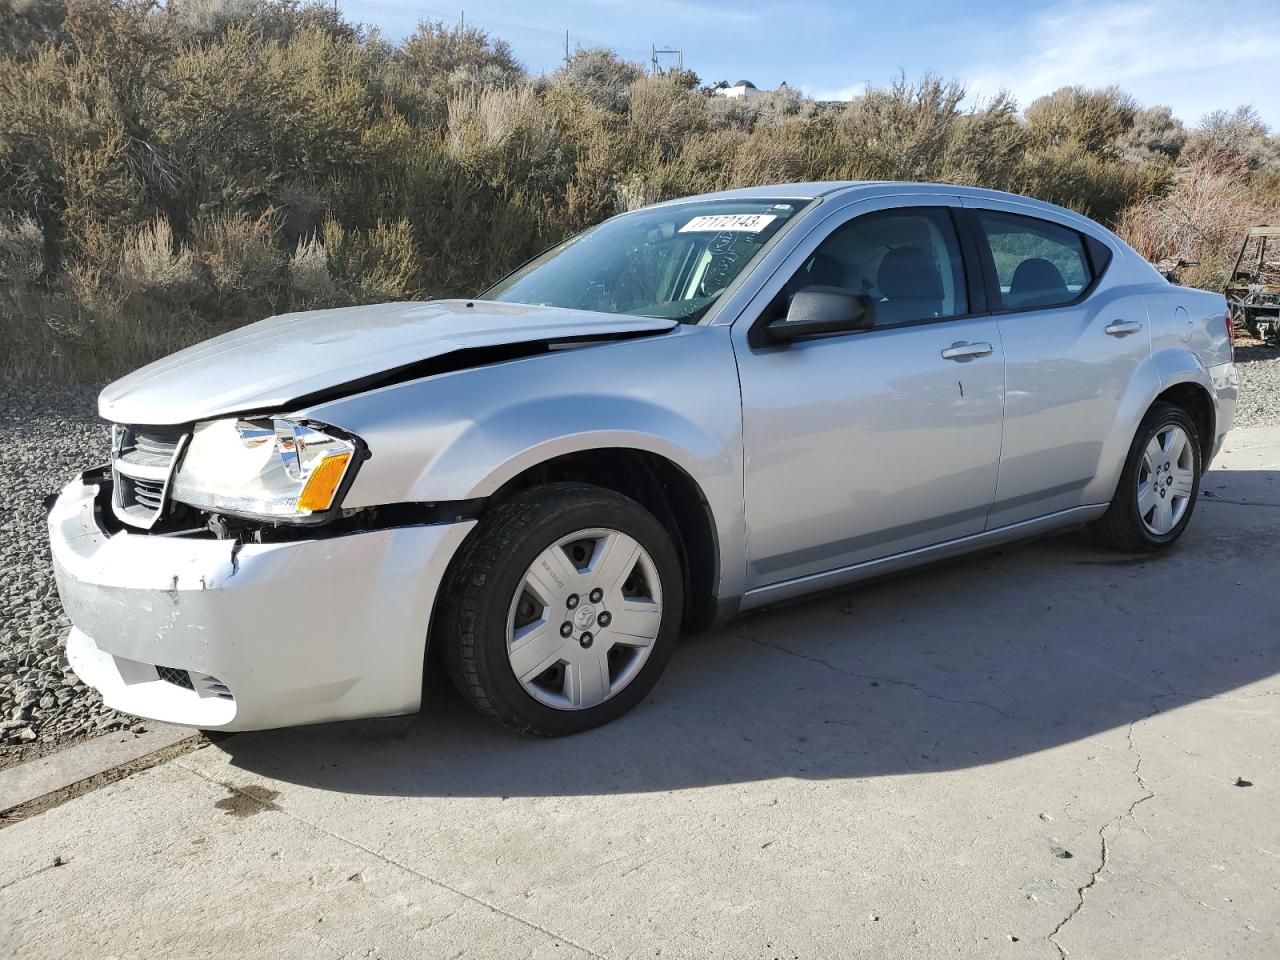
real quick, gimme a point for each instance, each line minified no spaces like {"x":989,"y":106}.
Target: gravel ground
{"x":1259,"y":368}
{"x":49,"y":434}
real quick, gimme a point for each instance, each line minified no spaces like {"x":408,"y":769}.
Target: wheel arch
{"x":1193,"y":397}
{"x":661,"y":486}
{"x":1176,"y":376}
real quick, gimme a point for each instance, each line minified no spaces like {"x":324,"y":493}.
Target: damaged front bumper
{"x":221,"y":635}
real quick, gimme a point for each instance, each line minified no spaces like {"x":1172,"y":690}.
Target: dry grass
{"x":1201,"y":221}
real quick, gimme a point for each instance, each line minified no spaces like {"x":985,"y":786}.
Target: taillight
{"x":1231,"y":336}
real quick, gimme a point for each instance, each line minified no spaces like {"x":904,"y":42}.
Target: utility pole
{"x":655,"y":68}
{"x":462,"y":21}
{"x":566,"y":46}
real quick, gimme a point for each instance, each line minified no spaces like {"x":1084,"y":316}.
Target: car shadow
{"x":976,"y":661}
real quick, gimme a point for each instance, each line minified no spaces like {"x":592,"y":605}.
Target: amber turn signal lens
{"x":323,"y":483}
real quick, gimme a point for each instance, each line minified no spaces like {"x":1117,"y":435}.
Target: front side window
{"x":671,"y":261}
{"x":1038,"y":264}
{"x":907,"y":261}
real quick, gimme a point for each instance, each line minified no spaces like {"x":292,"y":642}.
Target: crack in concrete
{"x":1147,"y":794}
{"x":34,"y":873}
{"x":1240,"y":503}
{"x":890,"y":680}
{"x":392,"y":862}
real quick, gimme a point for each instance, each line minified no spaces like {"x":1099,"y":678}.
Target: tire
{"x":1126,"y":525}
{"x":497,"y":612}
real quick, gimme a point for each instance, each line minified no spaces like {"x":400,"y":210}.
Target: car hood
{"x":270,"y":364}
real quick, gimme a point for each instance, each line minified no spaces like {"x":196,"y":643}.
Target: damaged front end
{"x":233,"y":629}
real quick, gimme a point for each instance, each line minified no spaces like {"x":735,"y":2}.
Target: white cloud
{"x":1195,"y":57}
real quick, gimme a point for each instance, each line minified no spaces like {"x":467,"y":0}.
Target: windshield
{"x":671,"y":261}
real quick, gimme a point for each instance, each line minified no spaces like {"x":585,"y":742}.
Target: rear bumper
{"x":255,"y":636}
{"x":1226,"y":388}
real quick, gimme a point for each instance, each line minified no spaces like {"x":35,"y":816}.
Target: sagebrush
{"x":168,"y":172}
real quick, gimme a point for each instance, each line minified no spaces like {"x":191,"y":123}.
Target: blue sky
{"x":1189,"y":54}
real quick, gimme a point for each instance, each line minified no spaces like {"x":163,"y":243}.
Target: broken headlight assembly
{"x":265,"y":469}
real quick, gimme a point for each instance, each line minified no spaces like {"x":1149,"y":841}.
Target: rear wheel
{"x":562,"y":608}
{"x":1158,"y":489}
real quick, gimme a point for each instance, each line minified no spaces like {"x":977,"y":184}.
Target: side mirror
{"x":821,"y":311}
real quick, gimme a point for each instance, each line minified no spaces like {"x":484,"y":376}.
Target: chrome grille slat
{"x":142,"y":463}
{"x":130,"y":467}
{"x":154,"y":446}
{"x":149,"y":494}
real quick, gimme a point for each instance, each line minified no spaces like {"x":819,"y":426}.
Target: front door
{"x":873,"y":443}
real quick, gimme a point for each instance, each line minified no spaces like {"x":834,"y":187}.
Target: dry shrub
{"x":1200,"y":223}
{"x":373,"y":266}
{"x":153,"y":261}
{"x":636,"y":193}
{"x":309,"y":278}
{"x":147,"y":139}
{"x":1097,"y":187}
{"x":665,"y":115}
{"x":96,"y":298}
{"x":21,"y":250}
{"x":601,"y":76}
{"x":241,"y":258}
{"x":508,"y":141}
{"x":485,"y":123}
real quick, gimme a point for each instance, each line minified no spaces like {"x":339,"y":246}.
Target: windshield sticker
{"x":735,"y":222}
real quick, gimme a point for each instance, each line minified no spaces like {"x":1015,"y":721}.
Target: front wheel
{"x":561,"y":609}
{"x":1158,"y":489}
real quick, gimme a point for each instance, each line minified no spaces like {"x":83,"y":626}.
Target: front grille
{"x":179,"y":678}
{"x":142,"y":464}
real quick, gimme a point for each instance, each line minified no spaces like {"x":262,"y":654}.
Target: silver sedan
{"x":688,"y":411}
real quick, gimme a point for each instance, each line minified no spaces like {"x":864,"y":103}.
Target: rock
{"x":1060,"y":853}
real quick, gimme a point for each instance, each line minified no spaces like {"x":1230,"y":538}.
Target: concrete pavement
{"x":1047,"y":751}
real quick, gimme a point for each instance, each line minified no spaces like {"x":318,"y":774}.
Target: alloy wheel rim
{"x":584,"y":619}
{"x":1166,"y":479}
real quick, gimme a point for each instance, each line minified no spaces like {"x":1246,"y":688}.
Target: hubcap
{"x":1166,"y":479}
{"x":584,"y":619}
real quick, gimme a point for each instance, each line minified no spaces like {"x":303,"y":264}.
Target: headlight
{"x":268,"y":469}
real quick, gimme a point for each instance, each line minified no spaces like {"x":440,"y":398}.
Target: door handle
{"x":1122,"y":328}
{"x":966,"y":351}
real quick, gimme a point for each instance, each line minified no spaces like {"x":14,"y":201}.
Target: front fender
{"x":462,"y":435}
{"x":526,"y":434}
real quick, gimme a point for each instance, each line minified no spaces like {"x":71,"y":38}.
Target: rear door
{"x":1074,"y":332}
{"x":873,"y":443}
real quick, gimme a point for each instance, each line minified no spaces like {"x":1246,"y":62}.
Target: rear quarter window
{"x":1037,"y":264}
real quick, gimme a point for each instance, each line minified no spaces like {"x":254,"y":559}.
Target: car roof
{"x":830,"y":188}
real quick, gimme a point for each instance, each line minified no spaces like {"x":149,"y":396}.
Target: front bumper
{"x":218,"y":635}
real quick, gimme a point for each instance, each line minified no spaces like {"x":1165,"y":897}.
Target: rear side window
{"x":1038,"y":264}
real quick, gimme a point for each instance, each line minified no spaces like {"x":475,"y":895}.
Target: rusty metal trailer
{"x":1253,"y":290}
